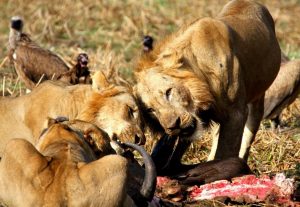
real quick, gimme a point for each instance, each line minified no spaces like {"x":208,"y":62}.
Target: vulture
{"x":35,"y":64}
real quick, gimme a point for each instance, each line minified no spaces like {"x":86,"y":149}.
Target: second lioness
{"x":112,"y":108}
{"x":63,"y":170}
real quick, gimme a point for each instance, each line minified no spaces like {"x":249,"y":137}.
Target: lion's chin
{"x":194,"y":131}
{"x":191,"y":132}
{"x":190,"y":129}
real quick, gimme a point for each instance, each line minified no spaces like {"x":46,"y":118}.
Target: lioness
{"x":63,"y":170}
{"x":112,"y":108}
{"x":212,"y":69}
{"x":283,"y":91}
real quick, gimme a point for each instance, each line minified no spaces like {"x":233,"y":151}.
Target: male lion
{"x":111,"y":107}
{"x":63,"y":170}
{"x":212,"y":69}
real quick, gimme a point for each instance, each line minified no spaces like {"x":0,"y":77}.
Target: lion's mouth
{"x":190,"y":129}
{"x":184,"y":131}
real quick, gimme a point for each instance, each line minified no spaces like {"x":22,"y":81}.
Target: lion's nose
{"x":175,"y":125}
{"x":140,"y":140}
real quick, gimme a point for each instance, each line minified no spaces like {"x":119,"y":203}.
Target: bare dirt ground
{"x":113,"y":29}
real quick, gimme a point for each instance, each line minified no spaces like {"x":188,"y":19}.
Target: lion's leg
{"x":256,"y":111}
{"x":231,"y":131}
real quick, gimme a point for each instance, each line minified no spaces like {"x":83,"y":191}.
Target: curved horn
{"x":149,"y":183}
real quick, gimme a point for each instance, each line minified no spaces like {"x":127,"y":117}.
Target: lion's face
{"x":116,"y":112}
{"x":59,"y":133}
{"x":169,"y":98}
{"x":84,"y":134}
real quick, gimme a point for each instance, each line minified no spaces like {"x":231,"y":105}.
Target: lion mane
{"x":224,"y":64}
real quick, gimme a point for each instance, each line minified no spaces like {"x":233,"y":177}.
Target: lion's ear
{"x":169,"y":58}
{"x":58,"y":119}
{"x":99,"y":81}
{"x":94,"y":136}
{"x":50,"y":122}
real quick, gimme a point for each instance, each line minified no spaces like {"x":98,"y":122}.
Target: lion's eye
{"x":131,"y":112}
{"x":43,"y":132}
{"x":67,"y":128}
{"x":150,"y":110}
{"x":168,"y":93}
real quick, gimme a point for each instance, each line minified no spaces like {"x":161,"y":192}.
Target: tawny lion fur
{"x":112,"y":109}
{"x":284,"y":90}
{"x":212,"y":69}
{"x":62,"y":171}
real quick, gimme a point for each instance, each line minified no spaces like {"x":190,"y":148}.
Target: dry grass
{"x":273,"y":150}
{"x":70,"y":26}
{"x":114,"y":28}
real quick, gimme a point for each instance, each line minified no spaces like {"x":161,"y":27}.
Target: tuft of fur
{"x":98,"y":100}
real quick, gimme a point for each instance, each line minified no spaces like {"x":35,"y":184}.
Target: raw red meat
{"x":249,"y":189}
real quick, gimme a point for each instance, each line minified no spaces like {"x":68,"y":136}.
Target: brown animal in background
{"x":283,"y":91}
{"x":79,"y":73}
{"x":112,"y":108}
{"x":148,"y":43}
{"x":211,"y":69}
{"x":63,"y":171}
{"x":32,"y":63}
